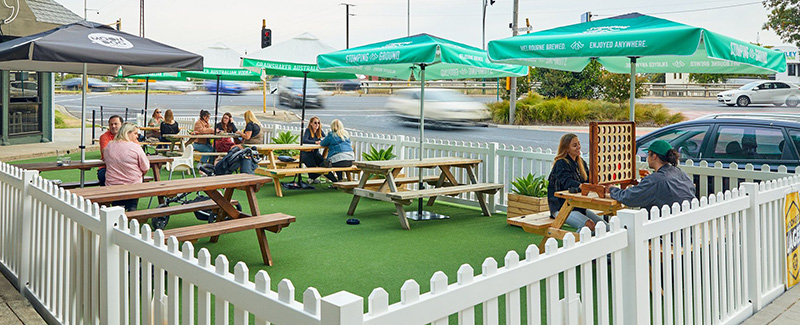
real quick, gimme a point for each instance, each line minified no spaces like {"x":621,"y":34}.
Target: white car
{"x":762,"y":92}
{"x":441,"y":105}
{"x":175,"y":85}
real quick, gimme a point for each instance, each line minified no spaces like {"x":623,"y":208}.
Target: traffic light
{"x":266,"y":37}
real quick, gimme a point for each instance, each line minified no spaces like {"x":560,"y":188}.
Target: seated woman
{"x":202,"y":126}
{"x":252,"y":130}
{"x":154,"y":122}
{"x":312,"y":135}
{"x":569,"y":170}
{"x":340,"y":151}
{"x":169,"y":126}
{"x":125,"y":161}
{"x":225,"y":126}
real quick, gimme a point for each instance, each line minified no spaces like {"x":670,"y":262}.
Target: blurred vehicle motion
{"x":31,"y":89}
{"x":94,"y":84}
{"x":347,"y":85}
{"x":174,"y":85}
{"x":444,"y":106}
{"x":225,"y":87}
{"x":290,"y":92}
{"x":762,"y":92}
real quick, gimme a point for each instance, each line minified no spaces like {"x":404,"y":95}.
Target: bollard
{"x":93,"y":126}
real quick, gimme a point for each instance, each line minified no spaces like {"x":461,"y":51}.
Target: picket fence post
{"x":492,"y":173}
{"x":635,"y":268}
{"x":25,"y":214}
{"x":752,"y":248}
{"x":398,"y":146}
{"x":109,"y":267}
{"x":342,"y":308}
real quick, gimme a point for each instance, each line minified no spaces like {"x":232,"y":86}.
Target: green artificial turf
{"x":320,"y":250}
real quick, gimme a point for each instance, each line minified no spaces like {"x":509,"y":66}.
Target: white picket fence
{"x":718,"y":259}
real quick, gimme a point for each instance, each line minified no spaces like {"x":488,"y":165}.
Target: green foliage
{"x":59,"y":119}
{"x":530,"y":185}
{"x":658,"y":78}
{"x":375,"y":154}
{"x":708,"y":78}
{"x":573,"y":85}
{"x":617,"y":87}
{"x":784,"y":19}
{"x":536,"y":109}
{"x":285,"y":138}
{"x":524,"y":85}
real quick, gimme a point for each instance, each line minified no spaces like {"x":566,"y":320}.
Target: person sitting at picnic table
{"x":225,"y":126}
{"x":114,"y":123}
{"x":569,"y":170}
{"x":666,"y":185}
{"x":202,"y":126}
{"x":126,"y":162}
{"x":252,"y":130}
{"x":340,"y":151}
{"x":169,"y":126}
{"x":154,"y":122}
{"x":313,"y":135}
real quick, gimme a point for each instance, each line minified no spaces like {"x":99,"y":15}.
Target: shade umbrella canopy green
{"x":293,"y":58}
{"x":633,"y":43}
{"x":424,"y":56}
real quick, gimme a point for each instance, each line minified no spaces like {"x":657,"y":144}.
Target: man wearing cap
{"x":667,"y":185}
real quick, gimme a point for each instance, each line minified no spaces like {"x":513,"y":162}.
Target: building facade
{"x":26,"y":97}
{"x":792,"y":73}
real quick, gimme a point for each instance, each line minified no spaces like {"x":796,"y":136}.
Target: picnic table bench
{"x":376,"y":183}
{"x":446,"y":183}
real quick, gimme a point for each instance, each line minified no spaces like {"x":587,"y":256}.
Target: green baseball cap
{"x":659,"y":146}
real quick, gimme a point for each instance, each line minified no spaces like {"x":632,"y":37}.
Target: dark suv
{"x":757,"y":139}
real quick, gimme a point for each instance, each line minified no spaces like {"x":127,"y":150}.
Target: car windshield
{"x":750,"y":85}
{"x":298,"y":84}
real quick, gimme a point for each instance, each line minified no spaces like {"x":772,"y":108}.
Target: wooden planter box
{"x":520,"y":205}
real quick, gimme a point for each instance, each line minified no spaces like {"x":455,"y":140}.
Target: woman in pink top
{"x":126,"y":162}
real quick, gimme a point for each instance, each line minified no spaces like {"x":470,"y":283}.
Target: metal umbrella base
{"x":425,"y":215}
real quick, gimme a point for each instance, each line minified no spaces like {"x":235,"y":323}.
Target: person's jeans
{"x":129,"y":205}
{"x":578,"y":220}
{"x":204,"y":147}
{"x":312,"y":159}
{"x":339,"y":175}
{"x":101,"y":176}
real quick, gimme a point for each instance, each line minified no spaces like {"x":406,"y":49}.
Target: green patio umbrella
{"x":426,"y":57}
{"x":625,"y":43}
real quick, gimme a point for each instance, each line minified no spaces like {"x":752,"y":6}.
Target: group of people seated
{"x":340,"y":149}
{"x":665,"y":186}
{"x":126,"y":162}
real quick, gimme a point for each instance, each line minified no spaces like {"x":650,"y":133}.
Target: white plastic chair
{"x":183,"y":163}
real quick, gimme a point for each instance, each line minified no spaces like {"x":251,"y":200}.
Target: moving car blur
{"x":347,"y":85}
{"x":94,"y":84}
{"x":290,"y":92}
{"x":225,"y":87}
{"x":442,"y":106}
{"x":762,"y":92}
{"x":174,"y":85}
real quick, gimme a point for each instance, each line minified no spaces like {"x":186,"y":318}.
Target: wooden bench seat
{"x":144,"y":215}
{"x":488,"y":188}
{"x":277,"y":174}
{"x":374,"y":183}
{"x":540,"y":224}
{"x":72,"y":185}
{"x":273,"y":222}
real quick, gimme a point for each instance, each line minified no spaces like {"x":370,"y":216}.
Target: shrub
{"x":286,"y":138}
{"x":530,"y":185}
{"x":375,"y":154}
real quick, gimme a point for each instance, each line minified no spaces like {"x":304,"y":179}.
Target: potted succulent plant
{"x":529,"y":196}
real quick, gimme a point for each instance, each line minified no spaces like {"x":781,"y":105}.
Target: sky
{"x":195,"y":24}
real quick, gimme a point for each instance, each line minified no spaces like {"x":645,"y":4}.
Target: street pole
{"x":513,"y":87}
{"x":483,"y":28}
{"x":408,"y":19}
{"x":347,"y":23}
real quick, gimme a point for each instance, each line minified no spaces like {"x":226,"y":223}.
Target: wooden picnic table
{"x":186,"y":139}
{"x":155,"y":164}
{"x":209,"y":185}
{"x":268,"y":150}
{"x":445,"y":185}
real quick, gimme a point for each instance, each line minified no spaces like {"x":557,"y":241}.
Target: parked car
{"x":94,"y":84}
{"x":290,"y":91}
{"x":757,"y":139}
{"x":225,"y":87}
{"x":762,"y":92}
{"x":24,"y":89}
{"x":445,"y":106}
{"x":174,"y":85}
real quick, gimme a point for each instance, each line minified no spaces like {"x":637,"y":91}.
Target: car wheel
{"x":743,"y":101}
{"x":730,"y":105}
{"x":792,"y":101}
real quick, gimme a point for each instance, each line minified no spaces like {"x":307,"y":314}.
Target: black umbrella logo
{"x":113,"y":41}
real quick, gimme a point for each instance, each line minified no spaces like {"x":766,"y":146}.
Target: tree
{"x":709,"y":78}
{"x":573,"y":85}
{"x":784,"y":19}
{"x":617,"y":87}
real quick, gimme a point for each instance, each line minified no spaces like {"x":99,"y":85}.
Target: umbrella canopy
{"x":424,"y":56}
{"x":91,"y":48}
{"x":292,"y":58}
{"x":636,"y":42}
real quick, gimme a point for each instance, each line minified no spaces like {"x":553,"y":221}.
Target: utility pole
{"x":408,"y":19}
{"x":513,"y":91}
{"x":141,"y":18}
{"x":347,"y":19}
{"x":483,"y":30}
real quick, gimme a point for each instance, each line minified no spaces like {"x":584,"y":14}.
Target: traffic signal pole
{"x":513,"y":91}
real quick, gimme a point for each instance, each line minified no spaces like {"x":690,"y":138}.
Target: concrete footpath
{"x":63,"y":140}
{"x":784,"y":310}
{"x":15,"y":309}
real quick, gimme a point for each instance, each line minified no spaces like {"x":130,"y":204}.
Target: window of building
{"x":792,"y":69}
{"x":24,"y":104}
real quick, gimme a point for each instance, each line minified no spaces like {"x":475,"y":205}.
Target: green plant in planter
{"x":286,"y":138}
{"x":530,"y":186}
{"x":375,"y":154}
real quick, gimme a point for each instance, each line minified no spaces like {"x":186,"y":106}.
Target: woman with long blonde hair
{"x":312,"y":135}
{"x":340,"y":151}
{"x":569,"y":172}
{"x":252,"y":130}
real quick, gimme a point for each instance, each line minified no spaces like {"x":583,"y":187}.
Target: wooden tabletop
{"x":427,"y":162}
{"x":107,"y":194}
{"x":590,"y":198}
{"x":153,"y":128}
{"x":86,"y":165}
{"x":202,"y":136}
{"x":266,"y":148}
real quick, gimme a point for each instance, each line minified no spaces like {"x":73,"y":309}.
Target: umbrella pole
{"x":633,"y":89}
{"x":421,"y":130}
{"x":216,"y":103}
{"x":146,"y":94}
{"x":298,"y":178}
{"x":84,"y":85}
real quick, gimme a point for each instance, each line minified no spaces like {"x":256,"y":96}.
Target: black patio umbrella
{"x":90,"y":48}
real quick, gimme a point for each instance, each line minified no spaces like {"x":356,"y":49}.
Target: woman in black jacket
{"x":312,"y":135}
{"x":569,"y":170}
